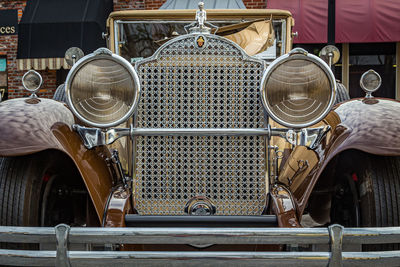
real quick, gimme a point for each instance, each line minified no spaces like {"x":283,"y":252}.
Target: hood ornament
{"x":199,"y":26}
{"x":201,"y":15}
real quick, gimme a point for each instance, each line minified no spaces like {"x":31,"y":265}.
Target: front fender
{"x":369,"y":125}
{"x":26,"y":125}
{"x":30,"y":125}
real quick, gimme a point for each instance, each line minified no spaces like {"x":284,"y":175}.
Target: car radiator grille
{"x":184,"y":86}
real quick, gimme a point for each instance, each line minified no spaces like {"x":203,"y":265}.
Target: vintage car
{"x":200,"y":143}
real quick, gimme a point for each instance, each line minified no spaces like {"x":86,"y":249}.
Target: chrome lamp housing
{"x":298,"y":89}
{"x":102,"y":89}
{"x":370,"y":82}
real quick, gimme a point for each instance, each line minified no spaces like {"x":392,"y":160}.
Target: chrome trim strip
{"x":175,"y":21}
{"x":116,"y":36}
{"x":283,"y":27}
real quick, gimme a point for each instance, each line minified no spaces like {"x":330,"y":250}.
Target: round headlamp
{"x":102,"y":89}
{"x":370,"y":82}
{"x":32,"y":81}
{"x":298,"y":89}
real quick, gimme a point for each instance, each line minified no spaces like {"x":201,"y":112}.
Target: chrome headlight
{"x":298,"y":89}
{"x":102,"y":89}
{"x":370,"y":82}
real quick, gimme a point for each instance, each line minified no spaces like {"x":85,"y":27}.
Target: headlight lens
{"x":32,"y":81}
{"x":370,"y":81}
{"x":298,"y":89}
{"x":102,"y":89}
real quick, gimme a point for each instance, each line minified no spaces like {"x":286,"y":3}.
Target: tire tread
{"x":11,"y":188}
{"x":341,"y":93}
{"x":59,"y":94}
{"x":383,"y":174}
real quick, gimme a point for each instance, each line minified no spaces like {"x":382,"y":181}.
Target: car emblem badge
{"x":200,"y":41}
{"x":200,"y":206}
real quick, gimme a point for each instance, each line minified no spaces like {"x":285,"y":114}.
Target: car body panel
{"x":26,"y":125}
{"x":370,"y":125}
{"x":30,"y":125}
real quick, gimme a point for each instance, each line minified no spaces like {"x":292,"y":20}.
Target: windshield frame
{"x":120,"y":30}
{"x":214,"y":16}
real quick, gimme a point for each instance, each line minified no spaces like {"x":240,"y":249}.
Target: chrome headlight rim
{"x":102,"y":53}
{"x":363,"y":81}
{"x":298,"y":53}
{"x":36,"y":75}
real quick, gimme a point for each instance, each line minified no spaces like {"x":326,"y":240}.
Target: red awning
{"x":367,"y":21}
{"x":311,"y":18}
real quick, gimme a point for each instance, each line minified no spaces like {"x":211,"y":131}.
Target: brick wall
{"x":10,"y":42}
{"x":156,"y":4}
{"x":9,"y":48}
{"x":252,"y":4}
{"x":129,"y":4}
{"x":153,"y":4}
{"x":15,"y":88}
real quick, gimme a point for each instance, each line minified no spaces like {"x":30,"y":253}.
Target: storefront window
{"x":3,"y":78}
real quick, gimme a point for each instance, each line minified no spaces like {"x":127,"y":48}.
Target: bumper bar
{"x":63,"y":234}
{"x":123,"y":258}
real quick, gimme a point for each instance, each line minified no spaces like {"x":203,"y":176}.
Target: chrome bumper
{"x":63,"y":235}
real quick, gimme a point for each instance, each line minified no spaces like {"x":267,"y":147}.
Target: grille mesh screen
{"x":188,"y":87}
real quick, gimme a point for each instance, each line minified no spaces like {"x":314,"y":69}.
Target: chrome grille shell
{"x":185,"y":86}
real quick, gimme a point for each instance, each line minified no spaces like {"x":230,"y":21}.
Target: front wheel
{"x":59,"y":94}
{"x":43,"y":189}
{"x":379,"y":192}
{"x":341,"y":93}
{"x":369,"y":196}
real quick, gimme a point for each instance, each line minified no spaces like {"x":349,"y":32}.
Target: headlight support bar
{"x":309,"y":137}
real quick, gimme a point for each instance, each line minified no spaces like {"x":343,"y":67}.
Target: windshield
{"x":140,"y":39}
